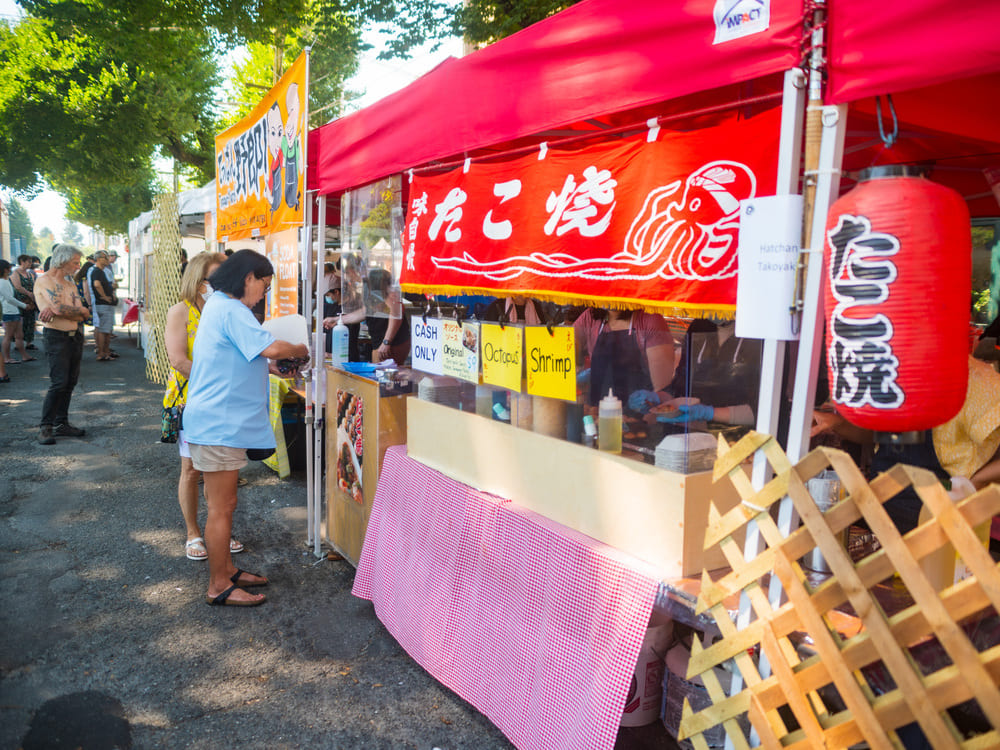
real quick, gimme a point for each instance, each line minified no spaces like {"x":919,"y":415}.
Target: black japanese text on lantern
{"x":863,"y":367}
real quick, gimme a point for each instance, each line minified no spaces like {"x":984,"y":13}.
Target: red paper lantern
{"x":898,"y":267}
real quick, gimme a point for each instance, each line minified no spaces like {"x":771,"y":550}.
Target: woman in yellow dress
{"x":182,"y":325}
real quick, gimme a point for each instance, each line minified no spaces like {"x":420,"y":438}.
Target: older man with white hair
{"x":62,"y":313}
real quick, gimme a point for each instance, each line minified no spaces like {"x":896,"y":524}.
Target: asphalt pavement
{"x":106,"y":638}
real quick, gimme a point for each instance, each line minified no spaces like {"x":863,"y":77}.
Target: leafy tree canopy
{"x":411,"y":23}
{"x":20,"y":222}
{"x":71,"y":233}
{"x":95,"y":91}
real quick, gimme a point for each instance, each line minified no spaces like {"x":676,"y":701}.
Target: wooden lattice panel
{"x":861,"y":683}
{"x":164,"y":282}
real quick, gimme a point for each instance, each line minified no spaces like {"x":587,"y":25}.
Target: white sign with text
{"x":770,"y":239}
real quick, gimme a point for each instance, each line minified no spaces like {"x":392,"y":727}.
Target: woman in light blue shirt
{"x":226,"y":412}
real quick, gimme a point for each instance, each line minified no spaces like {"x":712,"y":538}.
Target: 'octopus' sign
{"x":650,"y":220}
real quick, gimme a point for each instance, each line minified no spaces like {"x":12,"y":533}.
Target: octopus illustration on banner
{"x":678,"y":234}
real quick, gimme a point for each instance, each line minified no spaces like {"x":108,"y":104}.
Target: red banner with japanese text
{"x":647,"y":221}
{"x":260,"y":163}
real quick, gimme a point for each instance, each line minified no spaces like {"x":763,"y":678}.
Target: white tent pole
{"x":773,"y":358}
{"x":308,"y":375}
{"x":317,"y":393}
{"x":811,"y":340}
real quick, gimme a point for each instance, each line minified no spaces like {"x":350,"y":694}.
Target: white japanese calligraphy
{"x":501,"y":230}
{"x":574,"y":207}
{"x":419,"y":205}
{"x":448,"y":211}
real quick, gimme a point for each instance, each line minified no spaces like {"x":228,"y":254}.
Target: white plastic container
{"x":609,"y":424}
{"x":339,"y":343}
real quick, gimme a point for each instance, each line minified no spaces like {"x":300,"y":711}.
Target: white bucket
{"x":646,"y":692}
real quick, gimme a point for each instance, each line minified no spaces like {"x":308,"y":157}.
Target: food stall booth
{"x":519,"y":568}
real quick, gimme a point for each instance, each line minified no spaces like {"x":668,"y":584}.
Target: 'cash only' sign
{"x":427,"y":337}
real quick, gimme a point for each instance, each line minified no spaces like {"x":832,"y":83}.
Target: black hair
{"x":22,"y":258}
{"x":5,"y":267}
{"x":82,"y":273}
{"x":231,"y":276}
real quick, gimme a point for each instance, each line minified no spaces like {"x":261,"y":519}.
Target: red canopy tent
{"x":583,"y":69}
{"x":605,"y":63}
{"x":600,"y":62}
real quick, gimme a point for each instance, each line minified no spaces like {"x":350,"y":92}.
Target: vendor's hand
{"x":642,"y":401}
{"x":690,"y":413}
{"x":329,"y":322}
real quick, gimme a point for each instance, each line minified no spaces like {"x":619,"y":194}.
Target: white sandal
{"x":195,"y":549}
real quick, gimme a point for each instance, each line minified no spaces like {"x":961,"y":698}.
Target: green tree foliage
{"x":42,"y":244}
{"x":71,"y":233}
{"x":411,"y":23}
{"x":20,"y":223}
{"x":94,"y":91}
{"x":335,"y":44}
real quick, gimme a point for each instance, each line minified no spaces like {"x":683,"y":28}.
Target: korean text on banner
{"x":502,"y":355}
{"x":653,"y":224}
{"x":283,"y":251}
{"x":259,"y":164}
{"x":551,"y":361}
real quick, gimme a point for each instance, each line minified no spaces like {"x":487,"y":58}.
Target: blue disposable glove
{"x":691,"y":413}
{"x":641,"y":401}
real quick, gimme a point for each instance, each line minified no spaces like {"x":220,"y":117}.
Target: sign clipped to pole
{"x":770,"y":242}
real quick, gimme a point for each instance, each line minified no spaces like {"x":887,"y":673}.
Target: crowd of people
{"x":96,"y":285}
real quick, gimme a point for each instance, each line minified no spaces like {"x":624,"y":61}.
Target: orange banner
{"x":260,"y":163}
{"x":283,"y":251}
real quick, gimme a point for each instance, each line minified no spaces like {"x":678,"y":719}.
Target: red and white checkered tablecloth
{"x":536,"y":625}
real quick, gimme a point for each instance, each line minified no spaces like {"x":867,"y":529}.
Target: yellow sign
{"x":460,"y":353}
{"x":260,"y":163}
{"x":283,"y":252}
{"x":550,"y":359}
{"x":502,"y":355}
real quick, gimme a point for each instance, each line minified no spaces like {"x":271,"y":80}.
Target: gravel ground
{"x":107,"y":641}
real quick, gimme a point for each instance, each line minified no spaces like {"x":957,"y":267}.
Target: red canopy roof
{"x":888,"y":47}
{"x":577,"y":69}
{"x":596,"y":58}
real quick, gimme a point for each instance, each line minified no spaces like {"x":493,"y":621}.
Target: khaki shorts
{"x":217,"y":457}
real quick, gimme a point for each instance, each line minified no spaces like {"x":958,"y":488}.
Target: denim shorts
{"x":11,"y":318}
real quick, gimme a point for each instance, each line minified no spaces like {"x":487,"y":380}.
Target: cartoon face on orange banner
{"x":260,"y":163}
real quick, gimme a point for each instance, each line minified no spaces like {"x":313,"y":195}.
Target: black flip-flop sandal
{"x":222,"y":600}
{"x":235,"y":578}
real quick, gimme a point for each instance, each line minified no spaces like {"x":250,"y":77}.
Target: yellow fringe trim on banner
{"x":666,"y":307}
